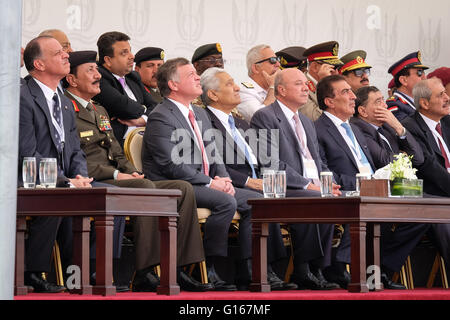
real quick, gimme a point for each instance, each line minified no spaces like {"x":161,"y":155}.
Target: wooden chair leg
{"x":203,"y":272}
{"x":438,"y":264}
{"x":403,"y":278}
{"x":58,"y":265}
{"x":443,"y":272}
{"x":409,"y":274}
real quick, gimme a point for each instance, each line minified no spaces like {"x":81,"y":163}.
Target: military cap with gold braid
{"x":292,"y":57}
{"x":412,"y":60}
{"x":149,"y":53}
{"x":326,"y":52}
{"x":354,"y":60}
{"x":206,"y":50}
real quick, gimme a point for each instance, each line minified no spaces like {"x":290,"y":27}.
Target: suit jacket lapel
{"x":40,"y":100}
{"x":340,"y":141}
{"x":428,"y":134}
{"x":364,"y":148}
{"x":83,"y":113}
{"x":285,"y":127}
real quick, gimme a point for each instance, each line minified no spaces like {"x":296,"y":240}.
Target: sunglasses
{"x":360,"y":72}
{"x":272,"y":60}
{"x":420,"y":72}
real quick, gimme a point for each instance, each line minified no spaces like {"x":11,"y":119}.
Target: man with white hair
{"x":60,"y":36}
{"x":258,"y":91}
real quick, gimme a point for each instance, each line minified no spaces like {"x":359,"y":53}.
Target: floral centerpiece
{"x":402,"y":176}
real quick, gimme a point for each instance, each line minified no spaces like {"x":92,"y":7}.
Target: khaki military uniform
{"x":311,"y":109}
{"x":154,"y":93}
{"x":104,"y":156}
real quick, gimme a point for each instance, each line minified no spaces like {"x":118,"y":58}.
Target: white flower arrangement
{"x":400,"y":168}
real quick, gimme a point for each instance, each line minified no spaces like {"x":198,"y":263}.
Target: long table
{"x":363,"y":214}
{"x":102,"y":204}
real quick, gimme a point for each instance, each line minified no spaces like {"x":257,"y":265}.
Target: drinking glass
{"x":326,"y":184}
{"x":280,"y":184}
{"x":269,"y":184}
{"x":48,"y":172}
{"x":29,"y":172}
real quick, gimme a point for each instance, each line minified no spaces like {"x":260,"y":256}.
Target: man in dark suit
{"x":48,"y":129}
{"x":296,"y":151}
{"x":431,"y":128}
{"x":107,"y":163}
{"x":178,"y":145}
{"x":345,"y":150}
{"x":384,"y":134}
{"x":122,"y":93}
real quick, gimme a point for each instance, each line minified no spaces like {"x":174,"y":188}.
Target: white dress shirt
{"x":437,"y":137}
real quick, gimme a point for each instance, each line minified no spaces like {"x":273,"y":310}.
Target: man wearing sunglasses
{"x":355,"y":69}
{"x":322,"y":62}
{"x":258,"y":91}
{"x":407,"y":72}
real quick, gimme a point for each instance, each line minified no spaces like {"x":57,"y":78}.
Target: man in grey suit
{"x":176,"y":146}
{"x":47,"y":129}
{"x":297,"y":152}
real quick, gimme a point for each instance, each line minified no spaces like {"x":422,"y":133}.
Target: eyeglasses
{"x":272,"y":60}
{"x":420,"y":72}
{"x":360,"y":72}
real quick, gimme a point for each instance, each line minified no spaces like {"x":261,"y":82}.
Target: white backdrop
{"x":386,"y":29}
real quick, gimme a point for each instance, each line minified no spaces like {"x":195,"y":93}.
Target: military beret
{"x":326,"y":52}
{"x":292,"y":57}
{"x":391,"y":84}
{"x":206,"y":50}
{"x":354,"y":60}
{"x":442,"y":73}
{"x":149,"y":53}
{"x":412,"y":60}
{"x":79,"y":57}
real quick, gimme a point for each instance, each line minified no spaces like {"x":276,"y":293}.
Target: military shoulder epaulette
{"x":391,"y":98}
{"x":75,"y":107}
{"x":248,"y":85}
{"x":402,"y":100}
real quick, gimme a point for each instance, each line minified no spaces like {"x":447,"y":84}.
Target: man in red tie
{"x":178,"y":145}
{"x":430,"y":126}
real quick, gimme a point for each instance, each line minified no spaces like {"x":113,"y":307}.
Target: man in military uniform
{"x":442,"y":73}
{"x":292,"y":57}
{"x":106,"y":162}
{"x":258,"y":91}
{"x":204,"y":57}
{"x":323,"y":61}
{"x":407,"y":72}
{"x":355,"y":69}
{"x":148,"y":60}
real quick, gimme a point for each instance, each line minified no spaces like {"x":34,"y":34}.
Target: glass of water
{"x":280,"y":184}
{"x":48,"y":172}
{"x":326,"y":184}
{"x":29,"y":172}
{"x":359,"y":178}
{"x":269,"y":184}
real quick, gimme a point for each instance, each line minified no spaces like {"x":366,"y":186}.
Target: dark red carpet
{"x":417,"y":294}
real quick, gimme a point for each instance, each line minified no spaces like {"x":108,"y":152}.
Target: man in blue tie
{"x":344,"y":149}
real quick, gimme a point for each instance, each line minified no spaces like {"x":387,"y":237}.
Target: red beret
{"x":442,"y":73}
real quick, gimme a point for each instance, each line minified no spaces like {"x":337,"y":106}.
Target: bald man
{"x":60,"y":36}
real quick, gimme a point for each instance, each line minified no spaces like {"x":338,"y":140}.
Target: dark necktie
{"x":58,"y":118}
{"x":200,"y":142}
{"x":386,"y":144}
{"x":241,"y":144}
{"x":444,"y":154}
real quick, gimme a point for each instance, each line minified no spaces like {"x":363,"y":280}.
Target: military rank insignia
{"x":248,"y":85}
{"x":311,"y":86}
{"x":104,"y":124}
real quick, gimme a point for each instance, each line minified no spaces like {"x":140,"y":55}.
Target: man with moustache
{"x":107,"y":163}
{"x":355,"y":69}
{"x":298,"y":154}
{"x":344,"y":149}
{"x":47,"y":129}
{"x":322,"y":61}
{"x":122,"y":93}
{"x":148,"y":60}
{"x":407,"y":72}
{"x":258,"y":91}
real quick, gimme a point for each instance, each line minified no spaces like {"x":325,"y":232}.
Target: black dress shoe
{"x":217,"y":282}
{"x":342,"y":278}
{"x":187,"y":283}
{"x":145,"y":282}
{"x":327,"y":285}
{"x":36,"y":281}
{"x":119,"y":288}
{"x":389,"y":284}
{"x":307,"y":281}
{"x":277,"y":284}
